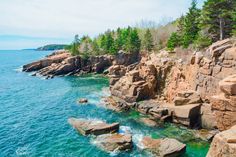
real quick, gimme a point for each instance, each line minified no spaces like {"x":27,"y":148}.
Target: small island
{"x":51,"y":47}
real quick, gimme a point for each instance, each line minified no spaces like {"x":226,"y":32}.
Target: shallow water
{"x":34,"y":113}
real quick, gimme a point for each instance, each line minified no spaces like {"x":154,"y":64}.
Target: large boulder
{"x":114,"y":142}
{"x":95,"y":127}
{"x":208,"y":117}
{"x":228,"y":85}
{"x":224,"y":104}
{"x":187,"y":97}
{"x":163,"y":147}
{"x":224,"y":144}
{"x":206,"y":135}
{"x":217,"y":48}
{"x":188,"y":115}
{"x":116,"y":104}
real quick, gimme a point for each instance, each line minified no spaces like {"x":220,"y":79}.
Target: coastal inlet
{"x":34,"y":113}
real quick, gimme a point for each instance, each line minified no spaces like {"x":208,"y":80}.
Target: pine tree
{"x":118,"y":40}
{"x":173,"y":41}
{"x":148,"y":41}
{"x":180,"y":24}
{"x":234,"y":21}
{"x":191,"y":25}
{"x":217,"y":18}
{"x":103,"y":42}
{"x":133,"y":42}
{"x":95,"y":47}
{"x":125,"y":33}
{"x":75,"y":45}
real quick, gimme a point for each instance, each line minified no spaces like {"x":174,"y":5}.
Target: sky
{"x":33,"y":23}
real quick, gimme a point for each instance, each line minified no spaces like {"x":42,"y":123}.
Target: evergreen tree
{"x":191,"y":25}
{"x":173,"y":41}
{"x":133,"y":42}
{"x":125,"y":33}
{"x":75,"y":45}
{"x":103,"y":42}
{"x":95,"y":47}
{"x":108,"y":43}
{"x":180,"y":25}
{"x":109,"y":48}
{"x":218,"y":18}
{"x":234,"y":21}
{"x":118,"y":41}
{"x":148,"y":41}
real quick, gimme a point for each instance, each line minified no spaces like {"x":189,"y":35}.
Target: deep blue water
{"x":34,"y":113}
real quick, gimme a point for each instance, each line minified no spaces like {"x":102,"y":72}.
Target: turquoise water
{"x":34,"y":113}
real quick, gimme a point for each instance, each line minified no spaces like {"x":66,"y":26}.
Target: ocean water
{"x":34,"y":113}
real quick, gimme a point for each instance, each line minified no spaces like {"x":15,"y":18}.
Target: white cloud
{"x":64,"y":18}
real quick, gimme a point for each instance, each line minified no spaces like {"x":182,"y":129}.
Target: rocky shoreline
{"x":199,"y":93}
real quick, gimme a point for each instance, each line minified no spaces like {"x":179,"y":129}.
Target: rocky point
{"x":199,"y":92}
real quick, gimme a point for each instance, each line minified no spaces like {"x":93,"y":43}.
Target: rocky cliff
{"x":185,"y":89}
{"x":199,"y":93}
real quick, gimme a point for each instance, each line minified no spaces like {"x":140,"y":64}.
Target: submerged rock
{"x":205,"y":135}
{"x":163,"y":147}
{"x":95,"y":127}
{"x":148,"y":122}
{"x":114,"y":142}
{"x":82,"y":100}
{"x":116,"y":104}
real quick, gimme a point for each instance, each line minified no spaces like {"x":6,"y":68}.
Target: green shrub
{"x":173,"y":41}
{"x":202,"y":41}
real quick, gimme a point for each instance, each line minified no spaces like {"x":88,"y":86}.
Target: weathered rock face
{"x":204,"y":71}
{"x":187,"y":115}
{"x":224,"y":104}
{"x":228,"y":85}
{"x":114,"y":142}
{"x":219,"y":65}
{"x":224,"y":144}
{"x":186,"y":85}
{"x":142,"y":81}
{"x":86,"y":127}
{"x":164,"y":147}
{"x":208,"y":117}
{"x":187,"y":97}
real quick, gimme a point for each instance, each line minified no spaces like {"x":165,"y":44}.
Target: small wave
{"x":125,"y":130}
{"x":22,"y":151}
{"x":106,"y":91}
{"x":97,"y":143}
{"x":137,"y":138}
{"x":18,"y":69}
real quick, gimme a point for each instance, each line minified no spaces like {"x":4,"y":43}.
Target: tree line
{"x":215,"y":21}
{"x":111,"y":42}
{"x":198,"y":29}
